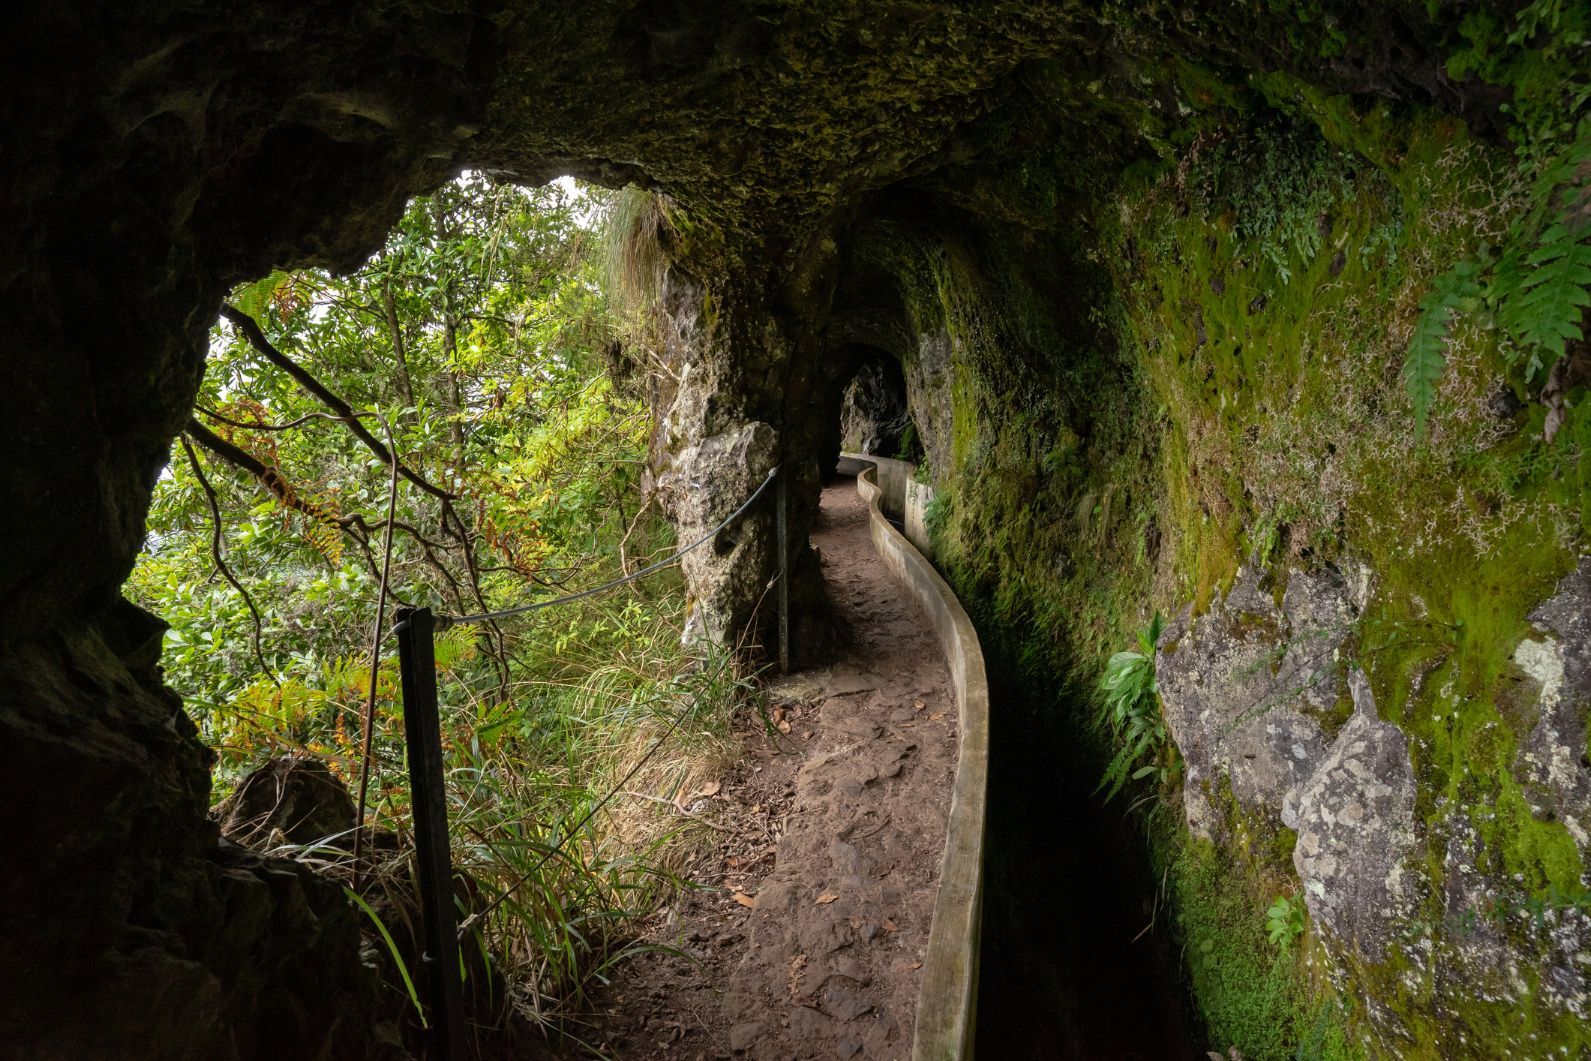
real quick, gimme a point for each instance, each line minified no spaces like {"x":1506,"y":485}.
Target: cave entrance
{"x":455,"y":424}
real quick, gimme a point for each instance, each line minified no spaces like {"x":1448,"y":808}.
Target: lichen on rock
{"x":1249,"y":689}
{"x":1356,"y":832}
{"x":1553,"y":759}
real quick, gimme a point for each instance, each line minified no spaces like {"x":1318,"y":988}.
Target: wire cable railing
{"x":416,"y":630}
{"x":443,"y":622}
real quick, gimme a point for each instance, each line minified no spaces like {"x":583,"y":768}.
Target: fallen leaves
{"x":918,"y":705}
{"x":826,"y":898}
{"x":797,"y":995}
{"x":936,"y":716}
{"x":748,"y":901}
{"x":710,"y":789}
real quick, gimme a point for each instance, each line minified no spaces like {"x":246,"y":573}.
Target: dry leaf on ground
{"x":748,"y":901}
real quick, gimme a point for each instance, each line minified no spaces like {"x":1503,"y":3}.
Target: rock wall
{"x":873,"y":417}
{"x":1148,"y":274}
{"x":1187,"y":398}
{"x":155,"y":157}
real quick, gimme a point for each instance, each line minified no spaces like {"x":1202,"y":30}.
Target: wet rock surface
{"x":873,"y":419}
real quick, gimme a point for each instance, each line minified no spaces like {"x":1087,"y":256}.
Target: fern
{"x":254,"y":299}
{"x":1538,"y":289}
{"x":1553,"y":288}
{"x":1455,"y":291}
{"x":1543,"y":283}
{"x":1130,"y":710}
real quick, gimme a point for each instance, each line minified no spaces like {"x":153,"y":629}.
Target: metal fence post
{"x":416,"y":632}
{"x":784,"y":571}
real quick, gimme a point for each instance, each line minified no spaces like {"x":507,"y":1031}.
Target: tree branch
{"x":345,"y":412}
{"x":220,"y":563}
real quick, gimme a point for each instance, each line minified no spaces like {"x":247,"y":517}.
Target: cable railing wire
{"x":416,"y":630}
{"x":443,"y":622}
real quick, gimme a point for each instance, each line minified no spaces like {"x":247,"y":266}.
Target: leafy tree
{"x":459,"y":382}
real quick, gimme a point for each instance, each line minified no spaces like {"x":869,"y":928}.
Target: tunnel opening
{"x":874,"y":418}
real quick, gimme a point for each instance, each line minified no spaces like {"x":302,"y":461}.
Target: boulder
{"x":296,"y":799}
{"x":1356,"y":832}
{"x":1248,"y":689}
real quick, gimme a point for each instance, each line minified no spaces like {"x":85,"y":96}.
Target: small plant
{"x":908,"y":448}
{"x":1131,"y":711}
{"x":1455,"y":291}
{"x":1284,"y":921}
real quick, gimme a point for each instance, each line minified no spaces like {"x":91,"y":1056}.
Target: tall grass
{"x":565,"y":801}
{"x":564,"y":797}
{"x":634,"y":249}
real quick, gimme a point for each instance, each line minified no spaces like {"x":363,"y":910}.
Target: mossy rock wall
{"x":1195,"y":374}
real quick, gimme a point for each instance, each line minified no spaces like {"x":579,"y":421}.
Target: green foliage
{"x":479,"y":336}
{"x":1543,"y":281}
{"x":1546,"y":308}
{"x":1284,"y":922}
{"x":1537,"y":286}
{"x":907,"y":450}
{"x":1537,"y":290}
{"x":1253,"y":993}
{"x":394,"y":952}
{"x":258,"y":298}
{"x":530,"y":771}
{"x":1130,"y":709}
{"x":1454,"y":291}
{"x":635,"y":249}
{"x":1281,"y":217}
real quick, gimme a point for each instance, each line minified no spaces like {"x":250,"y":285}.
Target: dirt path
{"x":809,"y":935}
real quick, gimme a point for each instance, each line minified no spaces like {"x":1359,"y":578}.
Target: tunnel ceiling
{"x":159,"y":154}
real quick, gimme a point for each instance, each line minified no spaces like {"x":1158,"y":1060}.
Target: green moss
{"x":1253,"y":996}
{"x":1206,"y":375}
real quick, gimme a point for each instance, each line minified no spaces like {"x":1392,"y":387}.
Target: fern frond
{"x":1551,"y":300}
{"x":1455,"y":290}
{"x":254,"y":299}
{"x":1543,"y":283}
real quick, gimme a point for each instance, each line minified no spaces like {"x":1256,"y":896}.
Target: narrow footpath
{"x":808,"y":935}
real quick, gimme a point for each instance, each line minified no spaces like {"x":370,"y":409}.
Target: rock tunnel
{"x":1139,"y":278}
